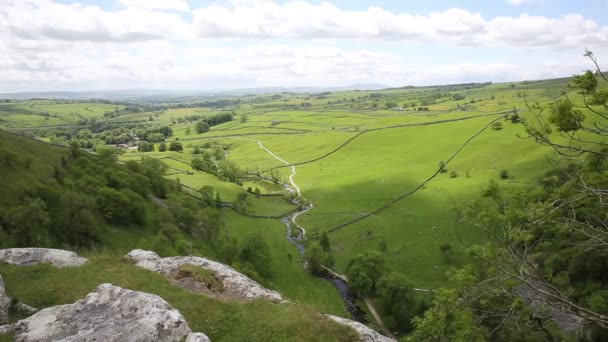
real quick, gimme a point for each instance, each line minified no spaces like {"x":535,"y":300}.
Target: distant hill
{"x":142,"y":94}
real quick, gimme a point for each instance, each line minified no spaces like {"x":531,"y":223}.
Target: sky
{"x":84,"y":45}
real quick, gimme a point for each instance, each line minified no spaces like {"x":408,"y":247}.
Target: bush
{"x":453,"y":174}
{"x":504,"y":174}
{"x":497,"y":126}
{"x":162,"y":147}
{"x":176,"y":146}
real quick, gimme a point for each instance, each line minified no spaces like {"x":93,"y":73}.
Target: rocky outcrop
{"x":5,"y":303}
{"x":110,"y":313}
{"x":197,"y":337}
{"x":33,"y":256}
{"x":236,"y":285}
{"x":367,"y":334}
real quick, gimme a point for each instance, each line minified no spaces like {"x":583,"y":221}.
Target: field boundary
{"x":420,"y":186}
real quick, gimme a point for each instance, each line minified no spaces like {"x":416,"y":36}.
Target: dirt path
{"x":293,"y":168}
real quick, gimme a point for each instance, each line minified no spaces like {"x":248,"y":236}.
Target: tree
{"x":256,"y":252}
{"x":188,"y":131}
{"x":546,"y":241}
{"x":207,"y":194}
{"x":162,"y":147}
{"x":108,"y":153}
{"x":176,"y":146}
{"x":497,"y":126}
{"x":397,"y":300}
{"x":364,"y":271}
{"x":446,"y":251}
{"x":447,"y":320}
{"x":256,"y":192}
{"x":442,"y":167}
{"x":244,"y":118}
{"x":29,"y":223}
{"x":145,"y":146}
{"x":202,"y":127}
{"x":504,"y":174}
{"x":156,"y":137}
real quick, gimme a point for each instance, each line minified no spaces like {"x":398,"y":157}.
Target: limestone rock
{"x":367,"y":334}
{"x":110,"y":313}
{"x":197,"y":337}
{"x":236,"y":284}
{"x":33,"y":256}
{"x":5,"y":303}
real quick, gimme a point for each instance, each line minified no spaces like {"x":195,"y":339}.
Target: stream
{"x":297,"y":240}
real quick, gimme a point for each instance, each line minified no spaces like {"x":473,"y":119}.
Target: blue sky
{"x":201,"y":44}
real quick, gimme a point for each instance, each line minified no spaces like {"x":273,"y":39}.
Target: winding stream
{"x":297,"y":240}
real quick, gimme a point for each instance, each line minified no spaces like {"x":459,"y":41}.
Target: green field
{"x":364,"y":157}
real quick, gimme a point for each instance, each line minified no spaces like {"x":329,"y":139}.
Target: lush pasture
{"x":410,"y":132}
{"x":49,"y":113}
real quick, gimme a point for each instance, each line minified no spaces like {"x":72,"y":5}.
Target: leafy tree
{"x":364,"y":271}
{"x":162,"y":147}
{"x":207,"y":194}
{"x":176,"y":146}
{"x":504,"y":174}
{"x":447,"y":321}
{"x":202,"y":127}
{"x":108,"y":153}
{"x":446,"y":251}
{"x":397,"y":300}
{"x":156,"y":137}
{"x":145,"y":146}
{"x":29,"y":223}
{"x":547,"y":241}
{"x":244,"y":118}
{"x":256,"y":192}
{"x":256,"y":252}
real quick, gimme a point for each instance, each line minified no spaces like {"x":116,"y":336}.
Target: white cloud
{"x":44,"y":19}
{"x":303,"y":20}
{"x":521,"y":2}
{"x":46,"y":45}
{"x":175,"y":5}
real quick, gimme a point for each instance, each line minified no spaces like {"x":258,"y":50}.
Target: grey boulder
{"x":110,"y":313}
{"x":5,"y":303}
{"x":33,"y":256}
{"x":366,"y":334}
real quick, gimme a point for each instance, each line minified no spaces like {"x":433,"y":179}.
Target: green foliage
{"x":364,"y":271}
{"x":108,"y":153}
{"x":28,"y":223}
{"x":565,"y":117}
{"x":176,"y":146}
{"x":202,"y":127}
{"x":255,"y":254}
{"x":162,"y":147}
{"x":446,"y":321}
{"x":397,"y":300}
{"x":504,"y":174}
{"x":145,"y":146}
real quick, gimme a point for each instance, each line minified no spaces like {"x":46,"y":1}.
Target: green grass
{"x":22,"y":164}
{"x":44,"y":286}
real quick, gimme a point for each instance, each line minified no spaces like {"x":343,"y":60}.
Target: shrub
{"x":453,"y":174}
{"x":504,"y":174}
